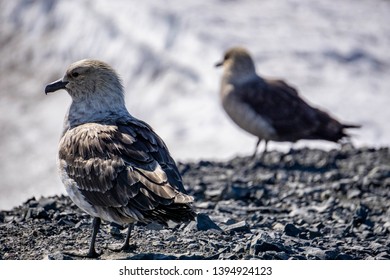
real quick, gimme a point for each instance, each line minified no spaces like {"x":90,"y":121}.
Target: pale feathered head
{"x":96,"y":91}
{"x":237,"y":63}
{"x":86,"y":78}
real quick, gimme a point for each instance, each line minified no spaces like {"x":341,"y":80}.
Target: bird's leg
{"x":95,"y":229}
{"x":264,"y":151}
{"x":91,"y":251}
{"x":257,"y":145}
{"x":265,"y":148}
{"x":125,"y":246}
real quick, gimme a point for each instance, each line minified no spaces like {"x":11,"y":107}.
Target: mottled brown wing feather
{"x":128,"y":167}
{"x":281,"y":106}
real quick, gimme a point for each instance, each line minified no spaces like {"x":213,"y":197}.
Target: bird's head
{"x":96,"y":91}
{"x":87,"y":78}
{"x":237,"y":62}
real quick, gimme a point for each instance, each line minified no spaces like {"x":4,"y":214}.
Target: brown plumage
{"x":271,"y":109}
{"x":114,"y":166}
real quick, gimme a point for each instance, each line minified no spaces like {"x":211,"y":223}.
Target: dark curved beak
{"x":218,"y":64}
{"x":54,"y":86}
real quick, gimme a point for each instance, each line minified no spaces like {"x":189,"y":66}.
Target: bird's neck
{"x":239,"y":77}
{"x":95,"y":110}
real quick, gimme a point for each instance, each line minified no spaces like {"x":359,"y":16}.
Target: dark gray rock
{"x":48,"y":203}
{"x":263,"y":242}
{"x":343,"y":256}
{"x":238,"y":227}
{"x":264,"y":246}
{"x":315,"y":253}
{"x":360,"y":216}
{"x":292,"y":230}
{"x":36,"y":213}
{"x":203,"y":222}
{"x":154,"y":226}
{"x":58,"y":256}
{"x":65,"y":222}
{"x":115,"y":231}
{"x":152,"y":256}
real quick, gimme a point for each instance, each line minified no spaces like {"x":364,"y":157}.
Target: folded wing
{"x":125,"y":168}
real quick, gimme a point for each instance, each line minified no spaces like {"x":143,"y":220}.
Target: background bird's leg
{"x":265,"y":147}
{"x":257,"y":145}
{"x":95,"y":229}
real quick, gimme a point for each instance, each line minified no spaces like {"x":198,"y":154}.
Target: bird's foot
{"x":126,"y":247}
{"x":91,"y":254}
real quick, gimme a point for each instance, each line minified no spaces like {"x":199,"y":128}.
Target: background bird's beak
{"x":219,"y":64}
{"x":54,"y":86}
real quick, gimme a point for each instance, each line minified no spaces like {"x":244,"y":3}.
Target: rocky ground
{"x":304,"y":204}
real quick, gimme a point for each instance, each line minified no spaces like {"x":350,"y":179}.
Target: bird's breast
{"x":247,"y":118}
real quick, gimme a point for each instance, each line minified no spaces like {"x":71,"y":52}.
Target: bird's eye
{"x":75,"y":74}
{"x":227,"y":56}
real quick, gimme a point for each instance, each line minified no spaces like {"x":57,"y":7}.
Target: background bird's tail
{"x":330,"y":129}
{"x":351,"y":125}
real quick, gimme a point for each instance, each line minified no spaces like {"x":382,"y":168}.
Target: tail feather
{"x":331,"y":129}
{"x":351,"y":125}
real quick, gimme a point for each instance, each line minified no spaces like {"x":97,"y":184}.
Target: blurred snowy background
{"x":337,"y":53}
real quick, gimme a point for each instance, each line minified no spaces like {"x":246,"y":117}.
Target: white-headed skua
{"x":114,"y":166}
